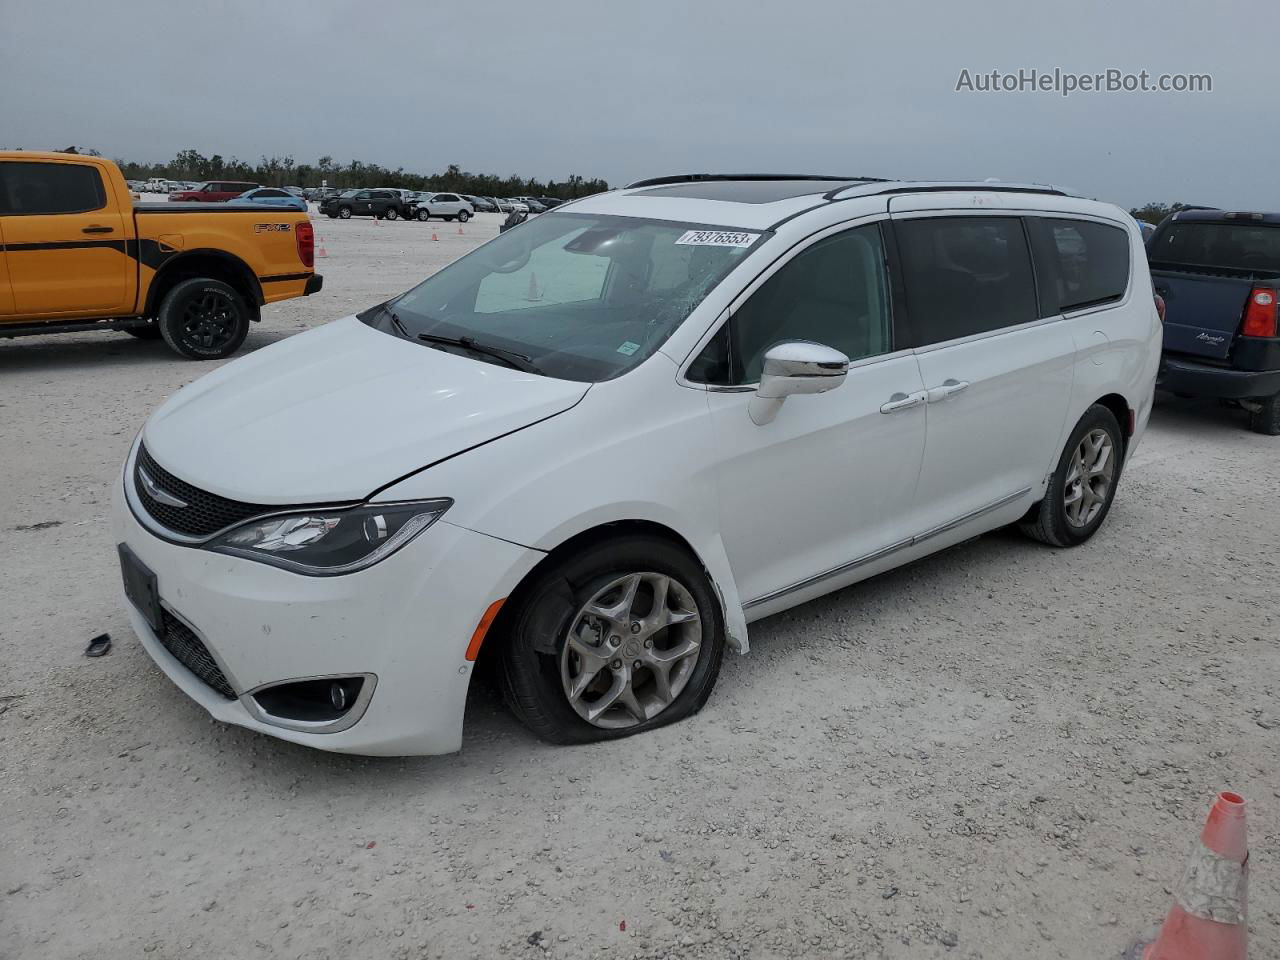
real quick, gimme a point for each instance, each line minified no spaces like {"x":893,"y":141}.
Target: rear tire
{"x":203,"y":319}
{"x":1266,"y":419}
{"x":392,"y":214}
{"x":464,"y":216}
{"x":1076,"y":503}
{"x":537,"y":669}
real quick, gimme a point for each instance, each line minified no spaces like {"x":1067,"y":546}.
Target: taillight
{"x":1260,"y":313}
{"x":1160,"y":306}
{"x":306,"y":236}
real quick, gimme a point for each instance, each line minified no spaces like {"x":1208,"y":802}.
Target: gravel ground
{"x":1003,"y":751}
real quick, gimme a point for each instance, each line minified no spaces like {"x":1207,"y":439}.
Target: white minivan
{"x":596,"y":448}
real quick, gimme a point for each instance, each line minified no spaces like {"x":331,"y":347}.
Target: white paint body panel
{"x":830,"y":492}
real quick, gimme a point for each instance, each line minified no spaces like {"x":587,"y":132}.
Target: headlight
{"x":331,"y":542}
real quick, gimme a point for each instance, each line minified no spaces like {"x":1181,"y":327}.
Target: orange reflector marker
{"x":482,"y":628}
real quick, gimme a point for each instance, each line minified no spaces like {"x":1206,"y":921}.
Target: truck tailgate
{"x":1202,"y":312}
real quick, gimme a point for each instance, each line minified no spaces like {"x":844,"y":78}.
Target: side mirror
{"x":796,"y":368}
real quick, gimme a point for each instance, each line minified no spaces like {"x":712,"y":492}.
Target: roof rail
{"x":696,"y":177}
{"x":940,"y":186}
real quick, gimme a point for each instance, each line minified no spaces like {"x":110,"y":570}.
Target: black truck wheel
{"x":203,"y":319}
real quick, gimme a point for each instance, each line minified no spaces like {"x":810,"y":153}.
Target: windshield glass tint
{"x":583,"y":297}
{"x":1242,"y":246}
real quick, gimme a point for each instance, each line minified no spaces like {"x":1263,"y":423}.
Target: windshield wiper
{"x":396,"y":321}
{"x":512,"y":359}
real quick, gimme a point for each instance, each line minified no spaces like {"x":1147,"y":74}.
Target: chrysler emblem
{"x":157,"y":494}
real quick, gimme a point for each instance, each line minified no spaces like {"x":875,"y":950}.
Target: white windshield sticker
{"x":717,"y":238}
{"x":629,"y":348}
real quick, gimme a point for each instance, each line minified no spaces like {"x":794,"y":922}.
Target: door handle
{"x":902,"y":401}
{"x":948,"y":389}
{"x":96,"y":229}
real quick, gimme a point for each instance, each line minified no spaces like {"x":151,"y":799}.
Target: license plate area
{"x":140,"y":587}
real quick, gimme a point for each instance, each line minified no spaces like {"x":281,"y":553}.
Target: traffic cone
{"x":1207,"y":920}
{"x":460,"y":231}
{"x":434,"y":237}
{"x":320,"y":250}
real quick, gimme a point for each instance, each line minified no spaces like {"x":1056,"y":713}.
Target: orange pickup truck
{"x":76,"y":253}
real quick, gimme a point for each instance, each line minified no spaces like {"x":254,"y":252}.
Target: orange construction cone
{"x":434,"y":237}
{"x":1207,"y":921}
{"x":460,"y":232}
{"x":320,"y":250}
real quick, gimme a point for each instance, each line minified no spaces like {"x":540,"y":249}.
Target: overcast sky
{"x":625,"y":90}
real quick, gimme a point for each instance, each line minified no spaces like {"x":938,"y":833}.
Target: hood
{"x":338,"y":412}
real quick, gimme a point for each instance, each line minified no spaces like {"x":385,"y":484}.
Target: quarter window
{"x":965,"y":275}
{"x":28,"y":189}
{"x":835,"y":293}
{"x":1082,"y":263}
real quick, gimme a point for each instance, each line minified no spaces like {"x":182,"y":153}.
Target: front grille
{"x":181,"y":641}
{"x":204,"y":513}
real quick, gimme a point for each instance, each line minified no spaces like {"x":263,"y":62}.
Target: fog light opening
{"x":323,"y":700}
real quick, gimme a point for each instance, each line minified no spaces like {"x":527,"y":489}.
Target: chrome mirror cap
{"x":801,"y":367}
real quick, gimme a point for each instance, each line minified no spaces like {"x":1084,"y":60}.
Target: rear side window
{"x":965,"y":275}
{"x":1238,"y":246}
{"x":27,"y":189}
{"x":1081,"y":263}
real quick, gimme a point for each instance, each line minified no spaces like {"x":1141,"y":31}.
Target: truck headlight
{"x":323,"y":543}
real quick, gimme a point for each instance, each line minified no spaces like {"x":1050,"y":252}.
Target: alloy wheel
{"x":631,"y":649}
{"x":209,"y":320}
{"x":1089,"y":478}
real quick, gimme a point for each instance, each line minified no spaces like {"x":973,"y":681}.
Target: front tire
{"x":1083,"y":486}
{"x":424,"y":216}
{"x":203,"y":319}
{"x":392,"y":214}
{"x":622,"y":637}
{"x":345,"y":213}
{"x":464,"y":216}
{"x":1266,"y":419}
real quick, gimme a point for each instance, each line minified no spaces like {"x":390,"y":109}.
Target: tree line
{"x":1153,"y":213}
{"x":284,"y":172}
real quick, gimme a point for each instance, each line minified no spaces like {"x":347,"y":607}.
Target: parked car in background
{"x":379,"y":204}
{"x":810,"y":436}
{"x":446,"y":206}
{"x":296,"y":191}
{"x":511,"y":205}
{"x":1219,"y":275}
{"x":272,"y":197}
{"x":82,"y":256}
{"x":550,"y":202}
{"x":480,"y":204}
{"x":533,"y":205}
{"x":156,"y":185}
{"x":212,"y":191}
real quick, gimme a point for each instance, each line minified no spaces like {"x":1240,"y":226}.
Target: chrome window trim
{"x":344,"y":722}
{"x":883,"y":552}
{"x":987,"y":334}
{"x":759,"y":280}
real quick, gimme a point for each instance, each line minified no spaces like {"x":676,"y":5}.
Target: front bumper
{"x":404,"y":622}
{"x":1206,"y":380}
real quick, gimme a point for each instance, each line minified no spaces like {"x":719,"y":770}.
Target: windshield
{"x":580,"y":296}
{"x":1240,"y":246}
